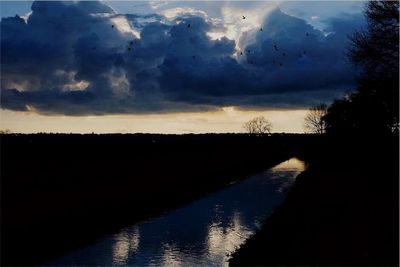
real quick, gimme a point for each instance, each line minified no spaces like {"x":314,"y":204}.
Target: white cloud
{"x":26,"y":17}
{"x":122,"y":24}
{"x":238,"y":28}
{"x":71,"y":84}
{"x":173,"y":13}
{"x":157,"y":4}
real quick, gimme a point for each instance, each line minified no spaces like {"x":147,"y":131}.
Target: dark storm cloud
{"x":83,"y":58}
{"x":287,"y":57}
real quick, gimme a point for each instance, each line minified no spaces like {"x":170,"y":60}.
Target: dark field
{"x":342,"y":211}
{"x":62,"y":191}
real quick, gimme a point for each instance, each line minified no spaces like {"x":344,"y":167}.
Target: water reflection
{"x":293,"y":164}
{"x":203,"y":233}
{"x":172,"y":256}
{"x":288,"y":169}
{"x":221,"y":241}
{"x":126,"y":242}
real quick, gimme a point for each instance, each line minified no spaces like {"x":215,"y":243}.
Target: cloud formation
{"x":84,"y":58}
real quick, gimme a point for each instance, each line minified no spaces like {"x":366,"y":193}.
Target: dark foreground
{"x":59,"y":192}
{"x":342,"y":211}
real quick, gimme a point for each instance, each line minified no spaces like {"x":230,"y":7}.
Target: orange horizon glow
{"x":224,"y":120}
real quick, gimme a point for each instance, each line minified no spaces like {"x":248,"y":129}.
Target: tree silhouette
{"x":258,"y":125}
{"x":376,"y":50}
{"x":374,"y":107}
{"x":314,"y":121}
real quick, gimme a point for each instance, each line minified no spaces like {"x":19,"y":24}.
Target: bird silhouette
{"x":243,"y":17}
{"x":261,"y":29}
{"x":188,"y":25}
{"x":276,"y":47}
{"x":112,"y":26}
{"x":241,"y":53}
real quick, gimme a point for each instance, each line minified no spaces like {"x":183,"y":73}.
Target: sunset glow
{"x":222,"y":121}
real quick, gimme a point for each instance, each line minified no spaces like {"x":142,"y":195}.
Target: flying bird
{"x":112,"y":26}
{"x":188,"y":25}
{"x":261,"y":29}
{"x":276,"y":47}
{"x":243,"y":17}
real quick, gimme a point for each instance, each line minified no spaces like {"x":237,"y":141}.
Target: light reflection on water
{"x":125,"y":243}
{"x":205,"y":232}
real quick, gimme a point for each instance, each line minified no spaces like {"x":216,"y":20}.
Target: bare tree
{"x":258,"y":125}
{"x":314,"y":121}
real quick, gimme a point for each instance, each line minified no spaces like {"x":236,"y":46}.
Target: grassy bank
{"x":59,"y":192}
{"x":342,"y":211}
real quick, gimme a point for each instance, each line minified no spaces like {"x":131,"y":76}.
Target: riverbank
{"x":59,"y":192}
{"x":342,"y":211}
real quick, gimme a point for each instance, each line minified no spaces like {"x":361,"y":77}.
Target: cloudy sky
{"x":171,"y":66}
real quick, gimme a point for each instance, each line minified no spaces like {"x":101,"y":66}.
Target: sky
{"x":171,"y":66}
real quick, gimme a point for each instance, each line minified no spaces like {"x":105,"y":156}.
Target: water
{"x":203,"y":233}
